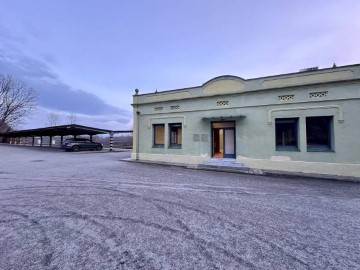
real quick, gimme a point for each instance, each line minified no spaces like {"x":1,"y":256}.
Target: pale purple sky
{"x":87,"y":57}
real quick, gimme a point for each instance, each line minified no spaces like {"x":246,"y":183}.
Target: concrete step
{"x":227,"y":165}
{"x":227,"y":162}
{"x":224,"y":164}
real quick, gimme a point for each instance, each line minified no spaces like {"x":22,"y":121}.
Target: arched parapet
{"x":226,"y":84}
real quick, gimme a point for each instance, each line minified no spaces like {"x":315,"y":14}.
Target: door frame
{"x":223,"y":128}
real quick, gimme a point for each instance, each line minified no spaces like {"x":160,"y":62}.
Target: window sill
{"x":175,"y":146}
{"x":158,"y":146}
{"x":287,"y":149}
{"x":326,"y":150}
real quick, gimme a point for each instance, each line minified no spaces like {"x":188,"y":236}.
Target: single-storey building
{"x":307,"y":121}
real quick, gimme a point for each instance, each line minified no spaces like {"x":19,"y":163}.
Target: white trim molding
{"x":340,"y":111}
{"x":167,"y":117}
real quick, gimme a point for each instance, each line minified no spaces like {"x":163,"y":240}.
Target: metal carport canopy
{"x":63,"y":130}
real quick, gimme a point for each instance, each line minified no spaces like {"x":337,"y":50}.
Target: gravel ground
{"x":90,"y":210}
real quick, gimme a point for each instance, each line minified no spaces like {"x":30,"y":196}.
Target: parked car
{"x":80,"y":144}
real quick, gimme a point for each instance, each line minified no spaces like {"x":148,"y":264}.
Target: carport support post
{"x":111,"y":140}
{"x":61,"y":139}
{"x":50,"y":144}
{"x":41,"y":141}
{"x":33,"y":141}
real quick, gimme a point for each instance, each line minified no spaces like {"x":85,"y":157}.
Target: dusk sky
{"x":87,"y":56}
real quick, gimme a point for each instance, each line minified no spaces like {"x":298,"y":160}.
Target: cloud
{"x":39,"y":118}
{"x":7,"y":36}
{"x":54,"y":95}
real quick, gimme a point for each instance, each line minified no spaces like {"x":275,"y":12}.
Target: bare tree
{"x":71,"y":118}
{"x":4,"y":127}
{"x":16,"y":101}
{"x":53,"y":119}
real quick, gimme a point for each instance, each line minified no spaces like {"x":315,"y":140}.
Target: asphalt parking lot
{"x":90,"y":210}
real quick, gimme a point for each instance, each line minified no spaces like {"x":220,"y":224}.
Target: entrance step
{"x":227,"y":164}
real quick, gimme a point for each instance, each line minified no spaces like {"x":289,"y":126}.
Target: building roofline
{"x":303,"y":72}
{"x":317,"y":84}
{"x":252,"y":79}
{"x":221,"y":77}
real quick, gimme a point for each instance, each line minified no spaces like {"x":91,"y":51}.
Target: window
{"x":175,"y":135}
{"x":159,"y":130}
{"x":286,"y":133}
{"x":318,"y":133}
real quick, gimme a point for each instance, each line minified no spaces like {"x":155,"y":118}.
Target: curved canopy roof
{"x":63,"y":130}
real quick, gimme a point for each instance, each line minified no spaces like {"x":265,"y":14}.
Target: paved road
{"x":90,"y":210}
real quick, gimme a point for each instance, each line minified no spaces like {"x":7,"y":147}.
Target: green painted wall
{"x":250,"y":106}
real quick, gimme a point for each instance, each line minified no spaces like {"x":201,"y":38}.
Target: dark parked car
{"x":80,"y":144}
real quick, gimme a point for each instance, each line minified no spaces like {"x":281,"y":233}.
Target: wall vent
{"x":174,"y":108}
{"x":222,"y":103}
{"x":286,"y":97}
{"x":318,"y":94}
{"x":158,"y":109}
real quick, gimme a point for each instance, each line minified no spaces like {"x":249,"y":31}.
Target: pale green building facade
{"x":307,"y":121}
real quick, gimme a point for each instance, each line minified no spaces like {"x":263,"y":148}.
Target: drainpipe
{"x":137,"y":134}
